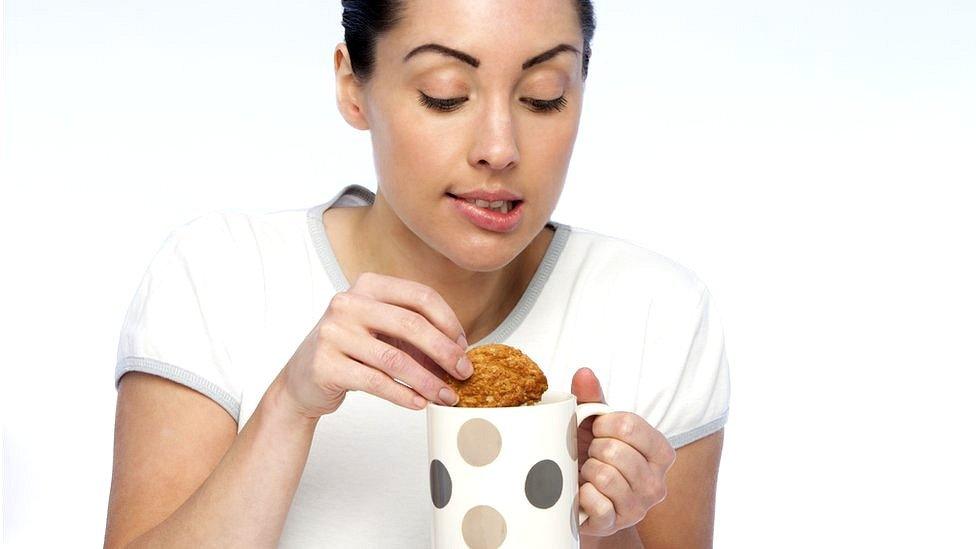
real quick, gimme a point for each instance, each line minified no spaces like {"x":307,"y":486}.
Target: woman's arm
{"x":184,"y":477}
{"x":686,"y":517}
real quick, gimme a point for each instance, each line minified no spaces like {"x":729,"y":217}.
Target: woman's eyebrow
{"x":474,"y":62}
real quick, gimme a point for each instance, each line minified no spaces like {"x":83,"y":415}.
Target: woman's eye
{"x":451,"y":104}
{"x":545,"y":105}
{"x":445,"y":105}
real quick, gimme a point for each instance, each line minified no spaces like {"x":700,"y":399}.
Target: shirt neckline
{"x":357,"y":195}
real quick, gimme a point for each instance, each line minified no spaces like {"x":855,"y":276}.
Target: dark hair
{"x":366,"y":20}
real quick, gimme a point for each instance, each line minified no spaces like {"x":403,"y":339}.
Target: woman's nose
{"x":495,"y":141}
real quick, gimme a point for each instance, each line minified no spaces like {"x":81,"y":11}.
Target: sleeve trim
{"x":181,"y":376}
{"x":699,"y":432}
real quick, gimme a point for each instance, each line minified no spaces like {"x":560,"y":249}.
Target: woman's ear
{"x":350,"y":96}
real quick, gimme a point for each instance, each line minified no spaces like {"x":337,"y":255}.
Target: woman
{"x":233,"y":430}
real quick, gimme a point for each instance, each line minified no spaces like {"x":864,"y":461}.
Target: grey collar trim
{"x":357,"y":195}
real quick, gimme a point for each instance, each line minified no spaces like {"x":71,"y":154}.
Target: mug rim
{"x":563,"y":396}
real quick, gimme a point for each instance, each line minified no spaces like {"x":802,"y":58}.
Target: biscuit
{"x":503,"y":376}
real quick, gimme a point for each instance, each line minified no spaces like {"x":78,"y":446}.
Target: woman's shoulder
{"x":629,"y":265}
{"x":233,"y":247}
{"x":240,"y":226}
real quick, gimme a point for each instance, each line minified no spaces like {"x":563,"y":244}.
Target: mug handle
{"x":584,"y":411}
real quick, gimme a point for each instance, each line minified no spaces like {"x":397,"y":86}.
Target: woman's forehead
{"x":484,"y":12}
{"x":494,"y":35}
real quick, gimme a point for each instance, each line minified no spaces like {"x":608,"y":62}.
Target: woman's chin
{"x":483,"y":258}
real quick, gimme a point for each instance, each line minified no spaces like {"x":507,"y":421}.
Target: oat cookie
{"x":503,"y":376}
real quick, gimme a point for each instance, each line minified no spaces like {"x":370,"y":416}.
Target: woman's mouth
{"x":498,"y":216}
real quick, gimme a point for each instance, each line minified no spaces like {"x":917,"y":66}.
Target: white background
{"x":811,"y":161}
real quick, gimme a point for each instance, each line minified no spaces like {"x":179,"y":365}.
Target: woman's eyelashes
{"x":452,"y":104}
{"x":444,"y":105}
{"x":556,"y":104}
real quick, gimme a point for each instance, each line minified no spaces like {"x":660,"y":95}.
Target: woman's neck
{"x":373,"y":239}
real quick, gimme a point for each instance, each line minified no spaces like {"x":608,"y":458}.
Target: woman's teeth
{"x":502,"y":206}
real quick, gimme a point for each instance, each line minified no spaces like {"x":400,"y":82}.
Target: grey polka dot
{"x":483,"y":528}
{"x":479,"y":442}
{"x":440,"y":484}
{"x":571,"y":440}
{"x":544,"y":484}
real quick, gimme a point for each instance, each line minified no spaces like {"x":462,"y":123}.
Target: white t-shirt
{"x":230,"y":295}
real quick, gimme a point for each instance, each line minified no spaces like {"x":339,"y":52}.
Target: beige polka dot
{"x":479,"y":442}
{"x":571,"y":442}
{"x":574,"y":517}
{"x":483,"y":528}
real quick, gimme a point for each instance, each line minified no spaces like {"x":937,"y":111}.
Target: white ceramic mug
{"x":508,"y":476}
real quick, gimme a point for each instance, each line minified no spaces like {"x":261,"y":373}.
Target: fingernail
{"x":464,"y":366}
{"x":462,"y":341}
{"x":448,"y":396}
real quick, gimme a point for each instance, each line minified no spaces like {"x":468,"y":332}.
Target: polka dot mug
{"x":507,"y":477}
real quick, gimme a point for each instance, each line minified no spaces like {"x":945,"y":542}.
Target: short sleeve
{"x":684,"y":381}
{"x":176,"y":325}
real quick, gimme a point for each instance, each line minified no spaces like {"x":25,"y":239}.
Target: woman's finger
{"x":625,"y":458}
{"x":397,"y":364}
{"x":637,"y":432}
{"x":415,"y":329}
{"x":412,"y":295}
{"x":359,"y":377}
{"x":599,"y":508}
{"x":610,"y":482}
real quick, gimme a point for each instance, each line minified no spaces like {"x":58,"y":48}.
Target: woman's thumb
{"x":586,"y":386}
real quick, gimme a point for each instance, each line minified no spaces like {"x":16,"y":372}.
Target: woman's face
{"x":497,"y":134}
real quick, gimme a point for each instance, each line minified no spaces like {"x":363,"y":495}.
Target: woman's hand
{"x":626,"y":460}
{"x":381,"y":329}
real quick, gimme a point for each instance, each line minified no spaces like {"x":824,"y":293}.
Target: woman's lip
{"x":489,"y":219}
{"x":456,"y":196}
{"x":490,"y":196}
